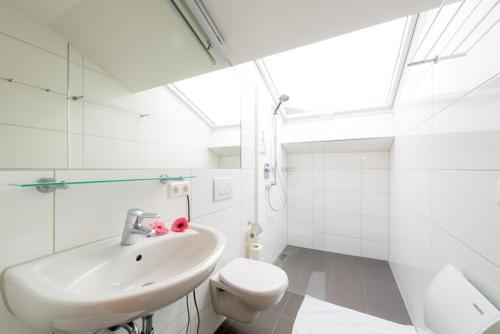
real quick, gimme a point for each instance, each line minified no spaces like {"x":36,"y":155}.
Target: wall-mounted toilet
{"x":243,"y":288}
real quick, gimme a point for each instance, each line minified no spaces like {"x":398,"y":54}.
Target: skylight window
{"x":345,"y":73}
{"x":216,"y":95}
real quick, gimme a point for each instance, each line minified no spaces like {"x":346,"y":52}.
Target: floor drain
{"x":280,"y":259}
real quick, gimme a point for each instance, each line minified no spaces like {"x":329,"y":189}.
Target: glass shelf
{"x":49,"y":185}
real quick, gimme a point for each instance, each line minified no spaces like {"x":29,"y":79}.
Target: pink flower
{"x":159,"y":227}
{"x":180,"y":225}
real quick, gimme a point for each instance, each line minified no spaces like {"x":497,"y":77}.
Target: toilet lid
{"x":254,"y":277}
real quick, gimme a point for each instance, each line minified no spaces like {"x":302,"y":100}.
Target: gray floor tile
{"x":278,"y":308}
{"x":385,"y":293}
{"x":284,"y":326}
{"x":263,"y":325}
{"x":292,"y":305}
{"x":348,"y":279}
{"x":343,"y":261}
{"x":354,"y":300}
{"x":296,"y":286}
{"x":378,"y":272}
{"x":393,"y":312}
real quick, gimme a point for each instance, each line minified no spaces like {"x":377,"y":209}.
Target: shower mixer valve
{"x":267,"y":170}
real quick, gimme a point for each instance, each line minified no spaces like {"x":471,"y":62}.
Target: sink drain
{"x":147,"y":284}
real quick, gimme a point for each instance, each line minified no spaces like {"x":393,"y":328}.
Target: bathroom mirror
{"x":68,"y":113}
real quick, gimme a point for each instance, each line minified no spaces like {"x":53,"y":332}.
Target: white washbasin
{"x":105,"y":284}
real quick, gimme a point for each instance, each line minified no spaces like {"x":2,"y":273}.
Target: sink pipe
{"x":131,"y":327}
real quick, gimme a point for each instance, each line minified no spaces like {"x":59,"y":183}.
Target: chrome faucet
{"x":133,"y":226}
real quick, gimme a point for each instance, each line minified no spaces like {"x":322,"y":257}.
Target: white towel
{"x":319,"y":317}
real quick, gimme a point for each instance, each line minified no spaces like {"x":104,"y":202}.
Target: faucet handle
{"x":139,"y":219}
{"x":149,"y":215}
{"x":135,"y":216}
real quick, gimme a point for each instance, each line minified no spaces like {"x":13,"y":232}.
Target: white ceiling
{"x":44,"y":11}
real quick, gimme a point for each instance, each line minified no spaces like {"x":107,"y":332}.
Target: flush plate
{"x":223,"y":188}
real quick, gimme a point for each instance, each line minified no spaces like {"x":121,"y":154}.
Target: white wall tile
{"x":337,"y":244}
{"x":375,"y":228}
{"x":26,"y":106}
{"x":318,"y":178}
{"x":374,"y":249}
{"x":375,"y":160}
{"x":75,"y":151}
{"x":464,"y":206}
{"x":344,"y":201}
{"x":31,"y":65}
{"x":28,"y":220}
{"x":375,"y":204}
{"x":375,"y":180}
{"x":226,"y":220}
{"x":300,"y":236}
{"x":300,"y":198}
{"x":300,"y":160}
{"x":300,"y":178}
{"x":104,"y":89}
{"x":343,"y":179}
{"x":342,"y":160}
{"x":300,"y":217}
{"x":113,"y":123}
{"x":318,"y":160}
{"x":342,"y":224}
{"x":32,"y":147}
{"x":105,"y":153}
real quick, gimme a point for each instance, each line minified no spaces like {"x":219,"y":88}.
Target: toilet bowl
{"x":243,"y":288}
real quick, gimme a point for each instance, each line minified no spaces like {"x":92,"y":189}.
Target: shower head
{"x":282,"y":98}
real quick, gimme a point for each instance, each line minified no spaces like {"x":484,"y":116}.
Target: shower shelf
{"x":49,"y":185}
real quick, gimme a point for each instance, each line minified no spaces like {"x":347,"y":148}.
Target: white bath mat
{"x":319,"y":317}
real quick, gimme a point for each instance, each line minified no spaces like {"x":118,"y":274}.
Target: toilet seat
{"x":255,"y":278}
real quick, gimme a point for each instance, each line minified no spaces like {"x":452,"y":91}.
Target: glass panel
{"x":62,"y":183}
{"x":352,"y":71}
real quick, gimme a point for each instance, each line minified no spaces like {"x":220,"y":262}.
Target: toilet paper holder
{"x":255,"y":229}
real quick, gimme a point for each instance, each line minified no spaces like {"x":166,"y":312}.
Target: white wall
{"x":340,"y":127}
{"x":444,"y":164}
{"x":338,"y":202}
{"x":108,"y":134}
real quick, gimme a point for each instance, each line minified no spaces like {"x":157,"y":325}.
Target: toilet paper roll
{"x":255,"y":251}
{"x":252,"y":237}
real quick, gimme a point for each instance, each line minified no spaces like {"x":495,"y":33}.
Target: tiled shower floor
{"x":358,"y":283}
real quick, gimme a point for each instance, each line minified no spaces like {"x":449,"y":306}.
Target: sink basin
{"x":105,"y":284}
